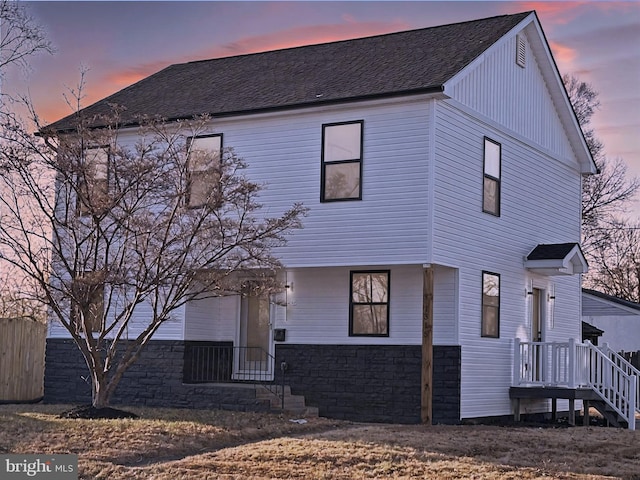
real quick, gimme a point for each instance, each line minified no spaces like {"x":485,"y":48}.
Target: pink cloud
{"x":564,"y":55}
{"x":556,"y":12}
{"x":298,"y":36}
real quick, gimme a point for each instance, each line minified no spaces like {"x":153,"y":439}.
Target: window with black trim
{"x":93,"y":181}
{"x":203,"y":169}
{"x":490,"y":305}
{"x":369,"y":304}
{"x":341,"y":161}
{"x":492,"y":172}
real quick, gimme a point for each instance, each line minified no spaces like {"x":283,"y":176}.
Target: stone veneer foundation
{"x":370,"y":383}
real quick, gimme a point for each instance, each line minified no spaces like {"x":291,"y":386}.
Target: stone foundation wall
{"x":155,"y":380}
{"x":370,"y":383}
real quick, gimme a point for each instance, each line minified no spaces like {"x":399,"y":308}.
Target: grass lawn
{"x":198,"y":444}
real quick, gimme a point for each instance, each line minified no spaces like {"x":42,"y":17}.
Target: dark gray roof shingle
{"x":384,"y":65}
{"x":552,"y":251}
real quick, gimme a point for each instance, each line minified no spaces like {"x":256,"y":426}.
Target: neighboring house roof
{"x":601,"y":304}
{"x":557,"y":259}
{"x":589,"y":330}
{"x":416,"y":61}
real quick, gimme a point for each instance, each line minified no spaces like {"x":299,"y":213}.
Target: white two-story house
{"x":442,"y":170}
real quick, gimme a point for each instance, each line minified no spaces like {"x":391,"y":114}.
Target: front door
{"x":254,"y":357}
{"x":536,"y":316}
{"x":537,"y":324}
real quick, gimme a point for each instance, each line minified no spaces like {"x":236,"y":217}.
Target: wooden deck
{"x":554,"y":393}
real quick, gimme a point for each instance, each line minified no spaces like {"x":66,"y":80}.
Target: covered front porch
{"x":576,"y":371}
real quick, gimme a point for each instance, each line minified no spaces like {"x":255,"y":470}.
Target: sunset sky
{"x":122,"y":42}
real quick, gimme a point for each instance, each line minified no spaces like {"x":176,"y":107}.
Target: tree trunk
{"x":99,"y":391}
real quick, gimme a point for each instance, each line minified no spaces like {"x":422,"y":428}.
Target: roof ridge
{"x":524,"y":14}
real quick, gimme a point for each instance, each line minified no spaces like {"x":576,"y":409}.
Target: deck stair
{"x":571,"y":370}
{"x":293,"y":404}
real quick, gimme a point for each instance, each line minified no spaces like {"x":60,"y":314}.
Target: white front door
{"x":254,"y":357}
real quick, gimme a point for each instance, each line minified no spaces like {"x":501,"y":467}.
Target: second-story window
{"x":492,"y":172}
{"x":93,"y":181}
{"x":341,"y":161}
{"x":203,"y":166}
{"x":87,"y":306}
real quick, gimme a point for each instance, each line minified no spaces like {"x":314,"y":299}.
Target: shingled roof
{"x":401,"y":63}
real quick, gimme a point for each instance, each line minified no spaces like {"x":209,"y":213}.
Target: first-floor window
{"x":490,"y":304}
{"x":369,"y":304}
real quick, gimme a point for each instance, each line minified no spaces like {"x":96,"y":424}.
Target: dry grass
{"x":193,"y":444}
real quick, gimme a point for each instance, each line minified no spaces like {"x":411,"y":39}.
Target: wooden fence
{"x":632,"y":357}
{"x":22,"y":346}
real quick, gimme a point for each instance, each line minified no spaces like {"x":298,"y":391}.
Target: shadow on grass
{"x":19,"y":423}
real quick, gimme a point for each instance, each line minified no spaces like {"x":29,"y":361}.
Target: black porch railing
{"x":221,"y":362}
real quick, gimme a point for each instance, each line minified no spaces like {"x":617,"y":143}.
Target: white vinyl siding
{"x":172,"y":329}
{"x":283,"y":153}
{"x":540,"y":204}
{"x":212,"y":319}
{"x":317,"y":310}
{"x":515,"y":97}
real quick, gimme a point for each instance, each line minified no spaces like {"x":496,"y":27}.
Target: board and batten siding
{"x":516,"y":98}
{"x":540,"y":203}
{"x":388,"y":226}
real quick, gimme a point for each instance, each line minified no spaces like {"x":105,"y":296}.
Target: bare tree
{"x":20,"y":39}
{"x":607,"y":238}
{"x":130,"y":231}
{"x":606,"y":194}
{"x":616,"y":270}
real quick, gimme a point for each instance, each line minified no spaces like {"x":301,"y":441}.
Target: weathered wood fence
{"x":22,"y":346}
{"x":632,"y":357}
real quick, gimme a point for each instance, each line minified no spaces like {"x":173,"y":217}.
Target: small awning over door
{"x":557,"y":259}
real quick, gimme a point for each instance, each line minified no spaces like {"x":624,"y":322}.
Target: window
{"x":369,"y":304}
{"x":88,"y":301}
{"x":492,"y":167}
{"x":203,"y":169}
{"x":490,"y":305}
{"x":93,"y":181}
{"x":341,"y":161}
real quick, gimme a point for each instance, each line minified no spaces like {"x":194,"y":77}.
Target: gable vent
{"x":521,"y":51}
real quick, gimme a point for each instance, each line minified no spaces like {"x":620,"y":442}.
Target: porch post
{"x":633,"y":385}
{"x":516,"y":362}
{"x":572,"y":363}
{"x":426,"y":402}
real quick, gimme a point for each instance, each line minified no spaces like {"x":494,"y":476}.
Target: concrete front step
{"x":293,"y":404}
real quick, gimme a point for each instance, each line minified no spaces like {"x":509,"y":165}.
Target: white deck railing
{"x":626,"y":367}
{"x":578,"y":365}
